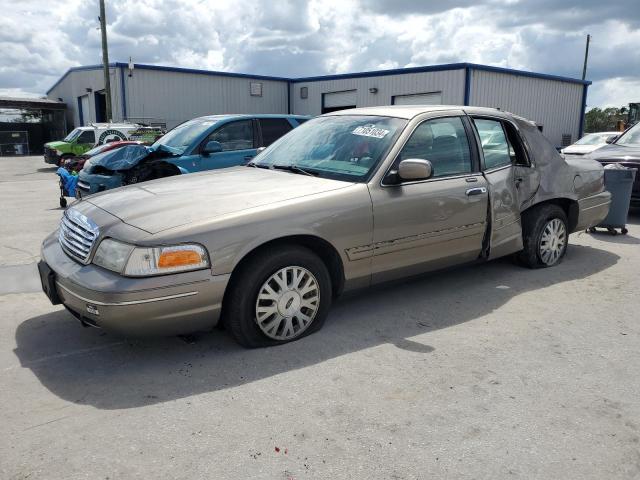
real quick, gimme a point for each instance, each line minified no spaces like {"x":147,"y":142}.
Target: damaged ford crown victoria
{"x":344,"y":201}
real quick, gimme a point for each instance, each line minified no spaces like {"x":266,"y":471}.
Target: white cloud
{"x":41,"y":39}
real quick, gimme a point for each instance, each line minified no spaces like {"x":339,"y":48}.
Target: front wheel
{"x":279,"y":295}
{"x":545,"y":236}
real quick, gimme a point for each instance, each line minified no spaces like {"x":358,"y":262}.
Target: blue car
{"x":204,"y":143}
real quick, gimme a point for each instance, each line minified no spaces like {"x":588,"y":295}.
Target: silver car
{"x":342,"y":202}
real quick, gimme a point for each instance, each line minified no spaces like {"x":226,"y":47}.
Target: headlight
{"x":135,"y":261}
{"x":112,"y":255}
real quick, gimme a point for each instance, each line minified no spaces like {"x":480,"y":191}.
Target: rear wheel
{"x":545,"y":236}
{"x":279,"y":295}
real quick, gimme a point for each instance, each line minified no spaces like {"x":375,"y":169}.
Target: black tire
{"x":534,"y":222}
{"x":63,"y":202}
{"x":240,"y":302}
{"x":624,"y":231}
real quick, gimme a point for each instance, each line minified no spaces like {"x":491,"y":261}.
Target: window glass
{"x":73,"y":135}
{"x":88,"y":136}
{"x":630,"y":137}
{"x":443,"y":142}
{"x":234,"y":135}
{"x":517,"y":150}
{"x":341,"y":147}
{"x":184,"y":135}
{"x":495,"y":147}
{"x":273,"y":129}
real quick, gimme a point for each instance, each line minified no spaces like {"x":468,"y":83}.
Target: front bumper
{"x":90,"y":183}
{"x":163,"y":305}
{"x":51,"y":157}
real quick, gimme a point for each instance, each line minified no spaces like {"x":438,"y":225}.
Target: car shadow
{"x":88,"y":366}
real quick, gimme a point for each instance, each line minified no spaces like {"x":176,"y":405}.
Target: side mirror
{"x":414,"y":169}
{"x":212,"y":147}
{"x":612,"y":138}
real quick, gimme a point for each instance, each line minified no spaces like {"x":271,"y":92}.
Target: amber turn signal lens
{"x":179,"y":258}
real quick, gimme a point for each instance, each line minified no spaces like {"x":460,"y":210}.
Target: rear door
{"x":238,"y":142}
{"x":511,"y":181}
{"x":428,"y":224}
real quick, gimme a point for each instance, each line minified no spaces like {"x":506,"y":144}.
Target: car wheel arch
{"x":569,"y":205}
{"x":321,"y":247}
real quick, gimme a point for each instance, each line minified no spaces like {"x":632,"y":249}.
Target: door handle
{"x":518,"y":181}
{"x":476,"y":191}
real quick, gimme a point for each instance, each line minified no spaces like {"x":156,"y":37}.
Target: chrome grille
{"x":77,"y":235}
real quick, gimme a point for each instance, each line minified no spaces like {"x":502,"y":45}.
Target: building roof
{"x":374,"y":73}
{"x":31,"y":103}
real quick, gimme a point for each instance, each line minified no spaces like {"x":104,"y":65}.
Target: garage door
{"x":338,"y":100}
{"x":83,"y":109}
{"x":433,"y":98}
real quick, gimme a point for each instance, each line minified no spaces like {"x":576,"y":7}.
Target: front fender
{"x":227,"y":259}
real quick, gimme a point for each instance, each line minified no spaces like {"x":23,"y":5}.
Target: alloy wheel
{"x":552,"y":241}
{"x":287,"y":303}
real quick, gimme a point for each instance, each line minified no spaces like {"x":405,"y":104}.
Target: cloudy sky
{"x":41,"y":39}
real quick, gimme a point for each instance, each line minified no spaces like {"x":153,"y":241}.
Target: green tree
{"x":604,"y":120}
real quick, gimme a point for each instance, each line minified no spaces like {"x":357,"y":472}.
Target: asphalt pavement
{"x":484,"y":371}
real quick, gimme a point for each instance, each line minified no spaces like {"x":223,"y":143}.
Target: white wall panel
{"x":449,"y":82}
{"x":554,"y":104}
{"x":175,"y":96}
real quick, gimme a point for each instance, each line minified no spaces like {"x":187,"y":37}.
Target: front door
{"x":238,"y":145}
{"x":86,"y":141}
{"x":429,"y":224}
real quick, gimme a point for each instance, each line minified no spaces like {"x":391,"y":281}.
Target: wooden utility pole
{"x":105,"y":61}
{"x":586,"y":57}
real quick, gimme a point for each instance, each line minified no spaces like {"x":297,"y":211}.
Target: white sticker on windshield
{"x":370,"y":131}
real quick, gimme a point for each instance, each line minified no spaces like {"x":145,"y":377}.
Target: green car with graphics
{"x":83,"y":139}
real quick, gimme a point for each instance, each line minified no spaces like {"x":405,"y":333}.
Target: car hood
{"x":122,"y":158}
{"x":175,"y":201}
{"x":55,"y":144}
{"x":580,"y":149}
{"x":615,"y":152}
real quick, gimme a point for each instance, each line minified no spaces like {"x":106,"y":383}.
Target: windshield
{"x":182,"y":137}
{"x":631,"y":137}
{"x":593,"y":139}
{"x":344,"y":147}
{"x":75,"y":133}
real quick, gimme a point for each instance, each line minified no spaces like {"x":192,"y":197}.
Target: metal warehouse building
{"x":168,"y":96}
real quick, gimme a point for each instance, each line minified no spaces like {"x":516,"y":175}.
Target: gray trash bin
{"x":618,"y":181}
